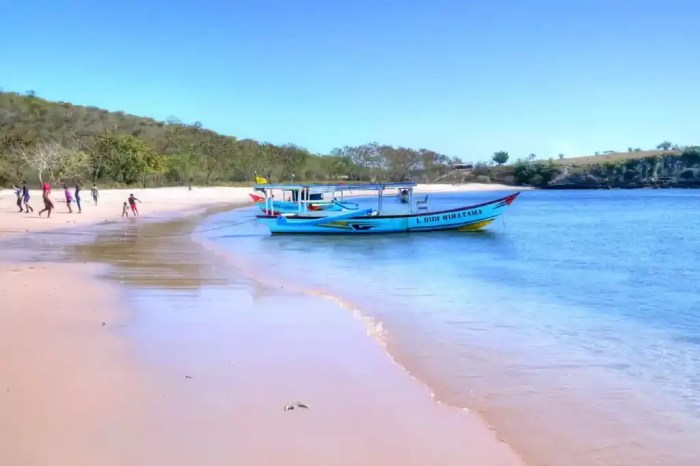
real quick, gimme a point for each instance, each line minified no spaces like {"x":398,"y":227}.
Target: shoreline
{"x":490,"y":450}
{"x":156,"y":202}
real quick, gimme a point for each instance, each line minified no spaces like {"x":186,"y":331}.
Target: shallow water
{"x":572,"y":324}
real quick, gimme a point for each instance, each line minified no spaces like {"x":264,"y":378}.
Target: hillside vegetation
{"x":614,"y":157}
{"x":58,"y":141}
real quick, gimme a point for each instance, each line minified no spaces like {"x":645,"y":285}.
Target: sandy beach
{"x":77,"y":387}
{"x":155,"y":202}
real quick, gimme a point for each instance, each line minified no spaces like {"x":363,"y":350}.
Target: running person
{"x":132,"y":204}
{"x":18,"y":193}
{"x":69,"y":198}
{"x":48,"y":204}
{"x":26,"y":197}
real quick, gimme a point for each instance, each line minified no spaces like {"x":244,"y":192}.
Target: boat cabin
{"x":306,"y":196}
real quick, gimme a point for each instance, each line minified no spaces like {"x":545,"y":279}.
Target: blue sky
{"x":465,"y":78}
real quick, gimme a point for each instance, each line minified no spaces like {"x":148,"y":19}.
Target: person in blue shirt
{"x":26,"y":197}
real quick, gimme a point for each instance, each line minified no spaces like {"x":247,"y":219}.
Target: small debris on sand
{"x":295,"y":404}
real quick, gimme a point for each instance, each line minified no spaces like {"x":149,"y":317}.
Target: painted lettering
{"x":455,"y":215}
{"x":447,"y":217}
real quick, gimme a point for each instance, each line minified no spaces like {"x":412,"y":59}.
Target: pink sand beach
{"x":93,"y":372}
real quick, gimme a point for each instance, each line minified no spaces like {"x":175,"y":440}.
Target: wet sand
{"x":194,"y":365}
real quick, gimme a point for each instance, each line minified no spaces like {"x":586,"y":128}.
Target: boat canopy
{"x":338,"y":187}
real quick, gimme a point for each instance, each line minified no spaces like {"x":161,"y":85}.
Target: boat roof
{"x":336,"y":186}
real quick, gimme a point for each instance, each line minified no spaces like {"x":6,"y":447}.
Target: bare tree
{"x":53,"y":160}
{"x":44,"y":158}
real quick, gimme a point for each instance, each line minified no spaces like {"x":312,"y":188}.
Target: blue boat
{"x":273,"y":207}
{"x":413,"y":218}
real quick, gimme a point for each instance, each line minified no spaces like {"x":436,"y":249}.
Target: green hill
{"x":58,"y":140}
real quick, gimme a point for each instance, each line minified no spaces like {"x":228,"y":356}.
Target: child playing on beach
{"x":69,"y":198}
{"x":18,"y":193}
{"x":95,"y":193}
{"x":132,"y":203}
{"x":78,"y":187}
{"x":25,"y":197}
{"x":125,"y":211}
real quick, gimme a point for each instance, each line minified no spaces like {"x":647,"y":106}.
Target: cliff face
{"x":662,"y":171}
{"x":659,"y":171}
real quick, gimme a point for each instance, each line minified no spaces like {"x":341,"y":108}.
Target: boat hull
{"x":468,"y":218}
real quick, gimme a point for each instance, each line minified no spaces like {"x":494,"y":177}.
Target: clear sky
{"x":464,"y":78}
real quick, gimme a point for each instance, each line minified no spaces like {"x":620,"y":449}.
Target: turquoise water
{"x":572,"y":324}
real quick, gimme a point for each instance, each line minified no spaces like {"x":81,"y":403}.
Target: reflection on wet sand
{"x":159,"y":255}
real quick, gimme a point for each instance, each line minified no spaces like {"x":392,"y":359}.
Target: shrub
{"x":537,"y":174}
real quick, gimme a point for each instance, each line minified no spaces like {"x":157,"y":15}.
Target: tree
{"x":183,"y":163}
{"x":87,"y":143}
{"x":691,"y":155}
{"x":666,"y":145}
{"x":252,"y":159}
{"x":128,"y":158}
{"x":73,"y":164}
{"x":535,"y":173}
{"x":45,"y":159}
{"x":215,"y":154}
{"x":531,"y":157}
{"x":56,"y":162}
{"x":290,"y":158}
{"x":500,"y":157}
{"x":561,"y":156}
{"x":12,"y":163}
{"x":400,"y":163}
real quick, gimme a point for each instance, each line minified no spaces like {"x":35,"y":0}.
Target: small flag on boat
{"x":260,"y":180}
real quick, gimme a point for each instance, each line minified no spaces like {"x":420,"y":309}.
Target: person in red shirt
{"x":48,"y":205}
{"x":132,"y":203}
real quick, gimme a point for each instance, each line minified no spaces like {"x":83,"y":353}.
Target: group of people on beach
{"x":70,"y":197}
{"x":23,"y":198}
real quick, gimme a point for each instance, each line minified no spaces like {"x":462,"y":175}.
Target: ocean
{"x":571,"y":325}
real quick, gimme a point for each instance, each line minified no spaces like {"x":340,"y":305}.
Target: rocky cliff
{"x":678,"y":170}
